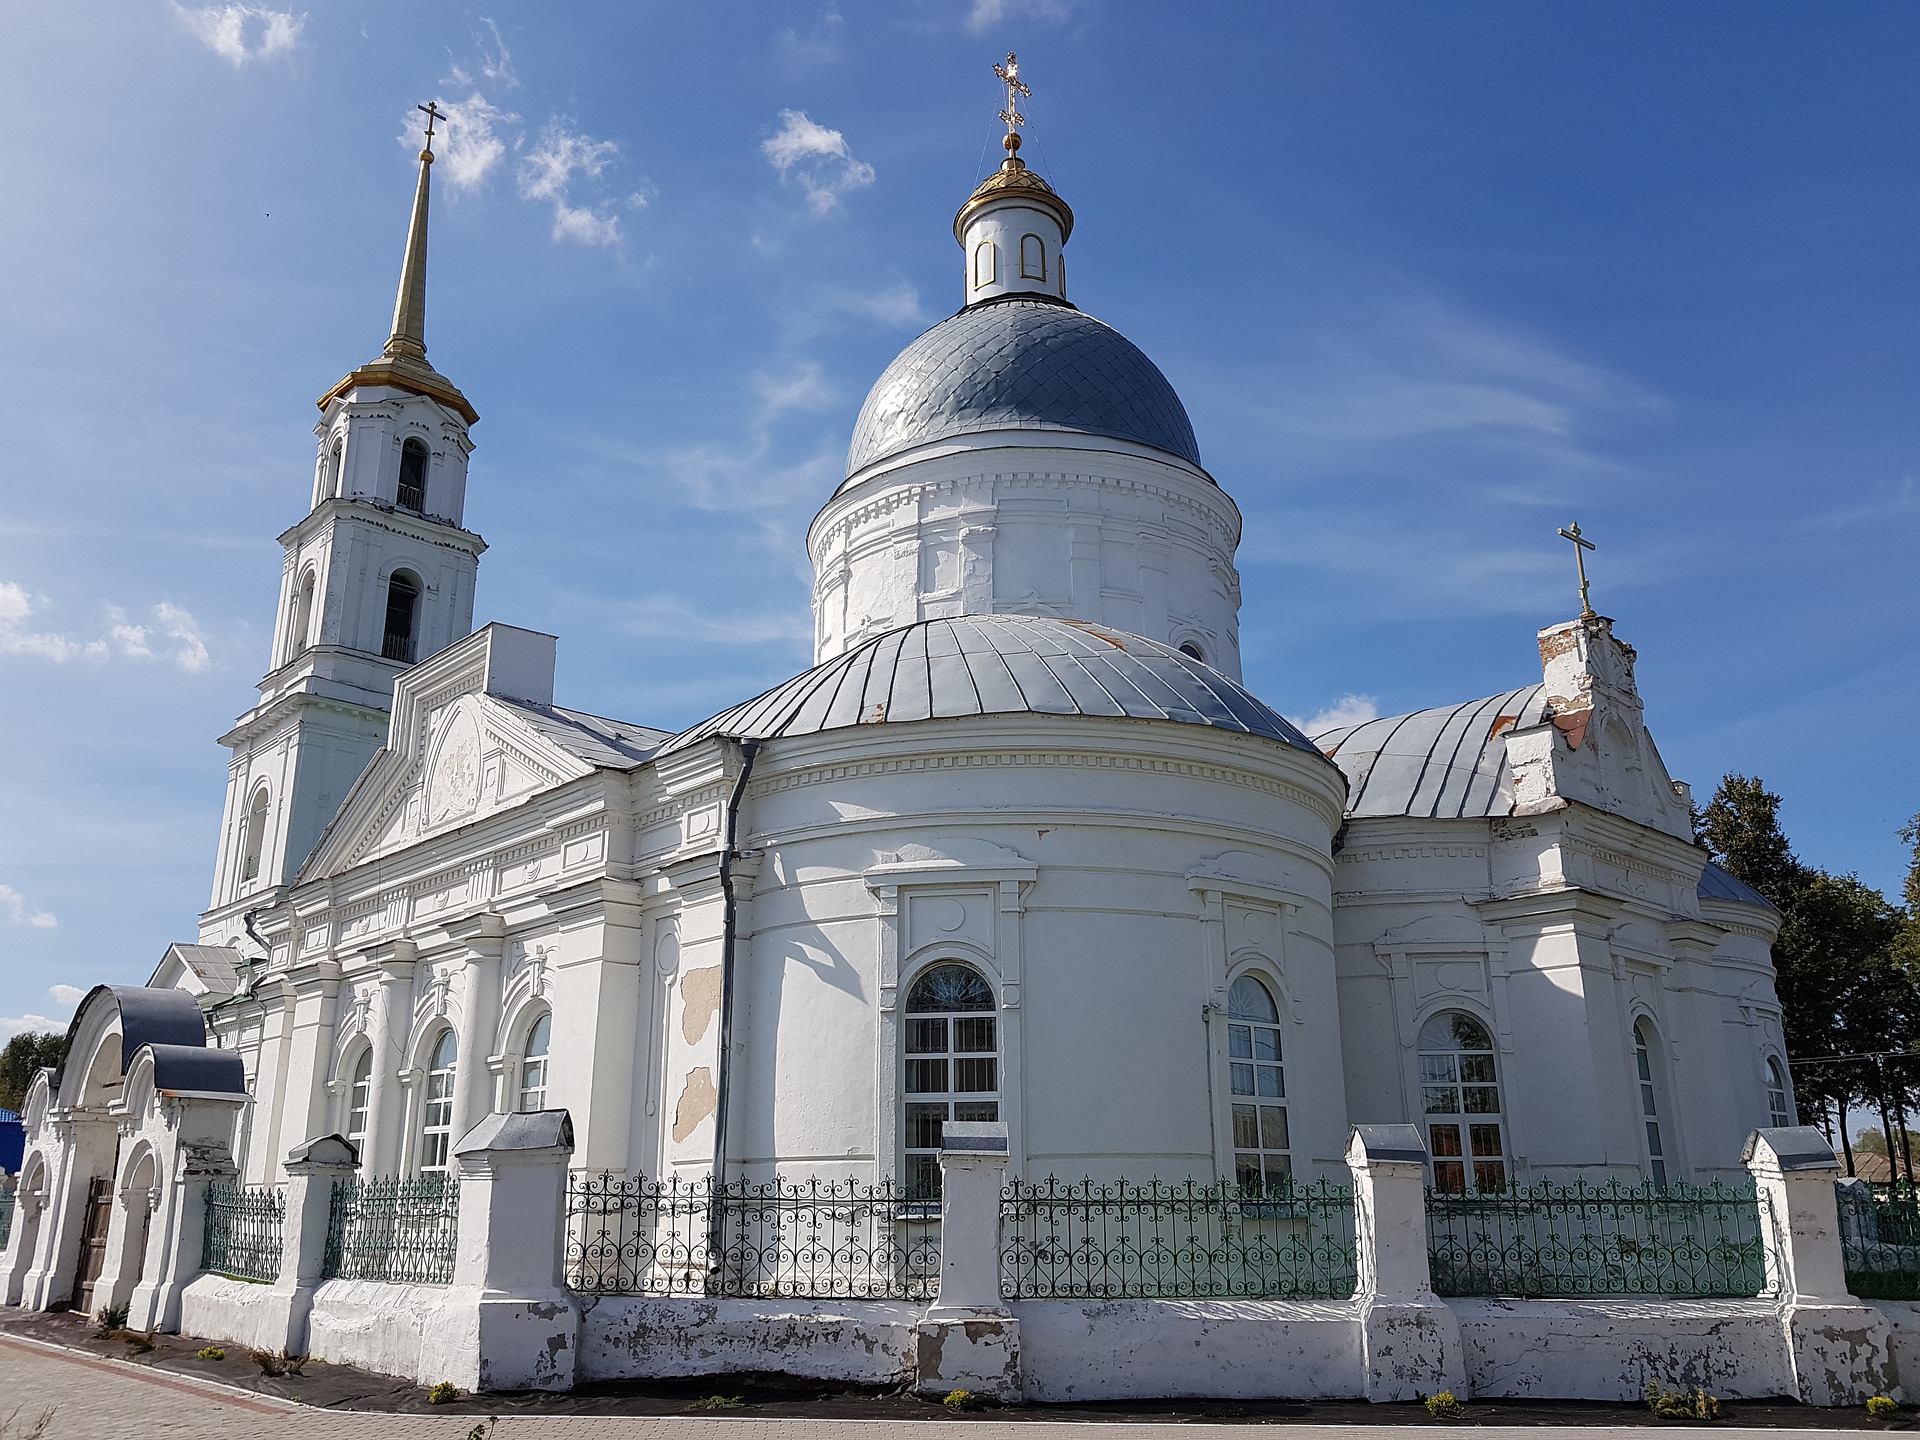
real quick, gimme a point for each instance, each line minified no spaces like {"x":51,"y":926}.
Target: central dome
{"x":1020,"y":362}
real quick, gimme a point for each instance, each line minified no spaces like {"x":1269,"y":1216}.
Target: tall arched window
{"x":412,"y":494}
{"x":360,"y":1101}
{"x":1460,"y":1095}
{"x":436,"y":1113}
{"x":1033,"y":258}
{"x":403,"y":608}
{"x":533,"y":1065}
{"x":986,"y":263}
{"x":300,"y":627}
{"x":1262,"y":1146}
{"x":253,"y":841}
{"x":952,"y":1065}
{"x":1643,"y":1043}
{"x":328,"y":485}
{"x":1778,"y":1114}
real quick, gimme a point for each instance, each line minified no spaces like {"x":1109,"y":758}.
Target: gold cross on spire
{"x":1580,"y":545}
{"x":433,"y":112}
{"x":1011,"y":117}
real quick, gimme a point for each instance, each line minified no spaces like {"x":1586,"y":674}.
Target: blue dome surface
{"x":1020,"y":363}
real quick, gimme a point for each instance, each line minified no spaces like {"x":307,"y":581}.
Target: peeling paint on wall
{"x":697,"y":1101}
{"x":700,"y":997}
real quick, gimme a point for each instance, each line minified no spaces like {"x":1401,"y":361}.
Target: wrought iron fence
{"x":6,"y":1217}
{"x":1114,"y":1240}
{"x":242,"y":1233}
{"x":1880,"y":1239}
{"x":805,"y":1239}
{"x":1586,"y":1239}
{"x":400,"y":1231}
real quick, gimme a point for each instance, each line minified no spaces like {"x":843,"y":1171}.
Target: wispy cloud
{"x":1347,"y":710}
{"x":171,"y":633}
{"x":470,"y":141}
{"x":14,"y":906}
{"x":806,"y":151}
{"x":241,"y":33}
{"x":983,"y":14}
{"x":897,"y":304}
{"x":660,"y":617}
{"x":64,"y":997}
{"x":491,"y":63}
{"x":549,"y":171}
{"x":804,"y":388}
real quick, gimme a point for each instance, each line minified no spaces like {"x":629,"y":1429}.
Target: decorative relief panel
{"x":945,"y":916}
{"x":1438,"y":977}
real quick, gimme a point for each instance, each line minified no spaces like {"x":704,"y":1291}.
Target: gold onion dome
{"x":1014,"y":181}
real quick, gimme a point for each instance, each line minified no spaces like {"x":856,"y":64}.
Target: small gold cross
{"x":1580,"y":544}
{"x":1009,"y":74}
{"x":433,"y":112}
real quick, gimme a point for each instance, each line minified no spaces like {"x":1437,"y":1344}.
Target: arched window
{"x":412,"y":494}
{"x":403,"y":607}
{"x":986,"y":263}
{"x":1778,"y":1115}
{"x":253,"y":841}
{"x":360,"y":1101}
{"x":1460,"y":1095}
{"x":952,"y":1065}
{"x":533,"y":1065}
{"x":1033,"y":258}
{"x":1192,"y":651}
{"x":1643,"y":1043}
{"x":329,"y":483}
{"x":436,"y":1113}
{"x":300,"y":628}
{"x":1262,"y":1146}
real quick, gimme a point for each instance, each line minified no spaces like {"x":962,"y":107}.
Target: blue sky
{"x":1432,"y":279}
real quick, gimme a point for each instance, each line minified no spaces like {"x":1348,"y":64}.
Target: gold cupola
{"x":1014,"y":227}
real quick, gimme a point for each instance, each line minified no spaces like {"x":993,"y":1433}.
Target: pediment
{"x":451,"y":760}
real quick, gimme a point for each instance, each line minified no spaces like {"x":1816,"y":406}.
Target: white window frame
{"x":932,"y":1053}
{"x":1259,"y":1121}
{"x":534,"y":1068}
{"x":436,"y":1106}
{"x":1466,"y":1075}
{"x":1656,"y":1139}
{"x":359,"y":1101}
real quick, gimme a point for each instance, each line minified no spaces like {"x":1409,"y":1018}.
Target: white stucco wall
{"x":634,"y":1338}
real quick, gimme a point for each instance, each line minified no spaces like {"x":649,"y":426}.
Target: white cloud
{"x":12,"y":1025}
{"x":66,"y":996}
{"x":986,"y":13}
{"x":172,"y":634}
{"x":895,"y":305}
{"x":14,"y":906}
{"x":1348,"y":710}
{"x":664,"y":618}
{"x":494,"y":65}
{"x":804,"y":389}
{"x":468,"y":143}
{"x":240,"y":32}
{"x":548,"y":172}
{"x":807,"y":151}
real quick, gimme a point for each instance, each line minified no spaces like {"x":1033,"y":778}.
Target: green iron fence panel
{"x":400,"y":1231}
{"x":1584,"y":1239}
{"x":803,"y":1239}
{"x":6,"y":1217}
{"x":1880,"y":1239}
{"x":1182,"y":1240}
{"x":242,"y":1233}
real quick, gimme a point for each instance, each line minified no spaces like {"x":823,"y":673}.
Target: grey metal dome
{"x":1024,"y":363}
{"x":999,"y":665}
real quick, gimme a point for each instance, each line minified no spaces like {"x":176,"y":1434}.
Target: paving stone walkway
{"x":98,"y":1399}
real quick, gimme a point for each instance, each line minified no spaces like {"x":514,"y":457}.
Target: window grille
{"x":952,"y":1065}
{"x":412,"y":492}
{"x":800,"y":1239}
{"x":403,"y":597}
{"x":241,"y":1237}
{"x":1062,"y":1240}
{"x":399,"y":1231}
{"x":1460,"y":1095}
{"x":7,"y":1203}
{"x":1584,"y":1239}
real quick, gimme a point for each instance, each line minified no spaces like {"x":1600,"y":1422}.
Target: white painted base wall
{"x":232,"y":1312}
{"x":389,"y":1329}
{"x":634,"y":1338}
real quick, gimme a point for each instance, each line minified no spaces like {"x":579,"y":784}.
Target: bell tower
{"x":377,"y":576}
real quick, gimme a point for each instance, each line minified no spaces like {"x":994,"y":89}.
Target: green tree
{"x":21,"y":1058}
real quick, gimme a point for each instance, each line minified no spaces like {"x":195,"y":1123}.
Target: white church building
{"x":1020,"y":851}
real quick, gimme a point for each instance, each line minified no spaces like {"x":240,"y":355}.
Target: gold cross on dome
{"x":1580,"y":545}
{"x":1009,"y":74}
{"x":433,"y":112}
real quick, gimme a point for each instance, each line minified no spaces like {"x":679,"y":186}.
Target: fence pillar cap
{"x":973,"y":1137}
{"x":529,"y":1130}
{"x":1385,"y":1144}
{"x":329,"y":1152}
{"x":1789,"y":1149}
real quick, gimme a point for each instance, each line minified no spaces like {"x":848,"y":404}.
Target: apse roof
{"x":606,"y":744}
{"x":1718,"y":884}
{"x":1446,"y":763}
{"x":1020,"y":362}
{"x":996,"y":665}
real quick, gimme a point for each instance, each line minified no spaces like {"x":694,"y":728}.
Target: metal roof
{"x":999,"y":665}
{"x":1444,"y":764}
{"x":603,"y":743}
{"x":1020,"y":362}
{"x":197,"y":1070}
{"x":1718,"y":884}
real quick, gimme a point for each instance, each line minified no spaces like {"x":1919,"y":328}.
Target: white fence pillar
{"x":509,"y":1323}
{"x":1409,"y":1339}
{"x":1836,"y":1345}
{"x":969,"y":1339}
{"x":311,"y":1170}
